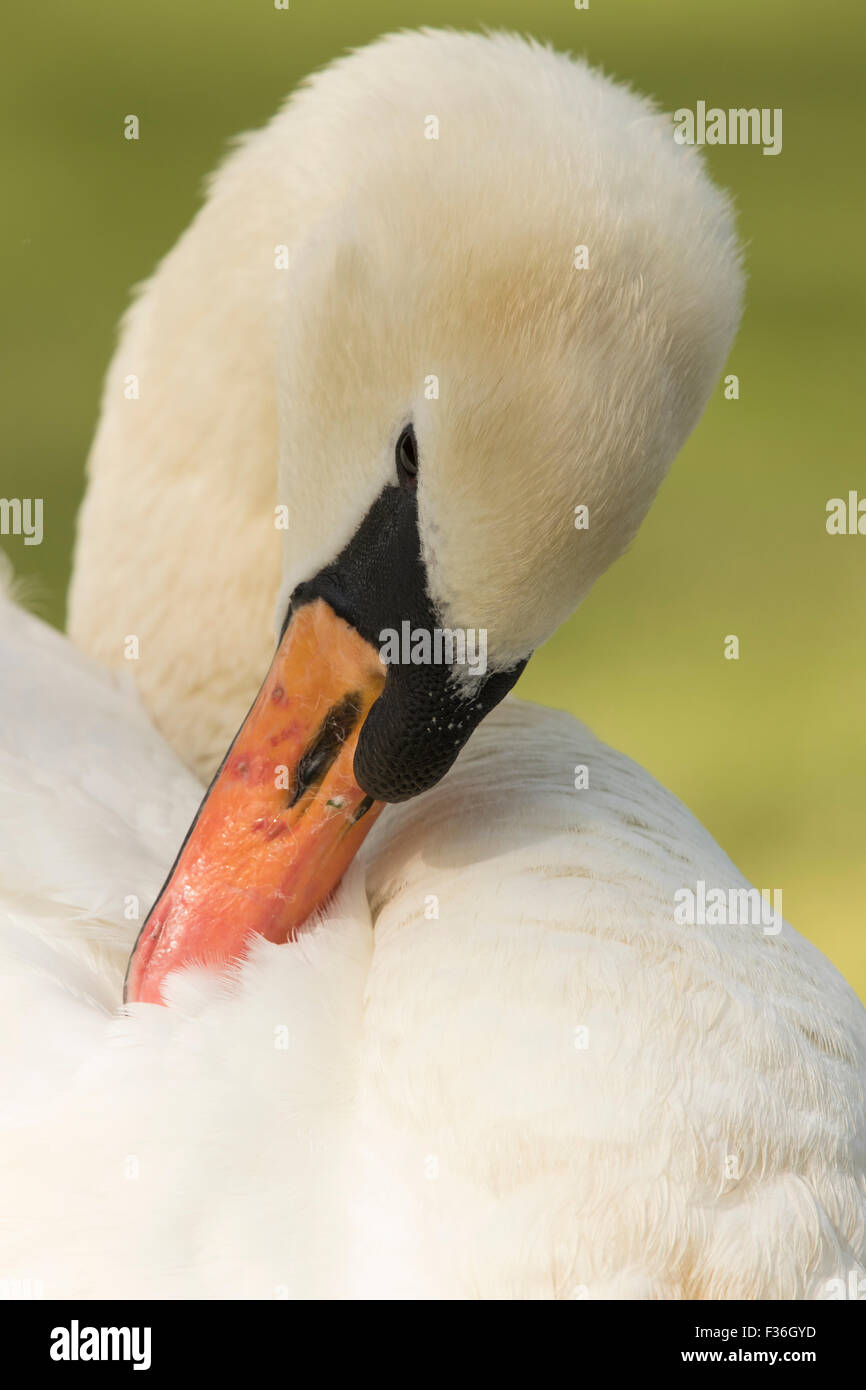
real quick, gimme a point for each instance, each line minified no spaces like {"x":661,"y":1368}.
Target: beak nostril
{"x":319,"y":756}
{"x":362,"y":809}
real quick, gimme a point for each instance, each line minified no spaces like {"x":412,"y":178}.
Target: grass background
{"x":770,"y":751}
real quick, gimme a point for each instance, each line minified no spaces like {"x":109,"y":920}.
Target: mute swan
{"x":498,"y":1065}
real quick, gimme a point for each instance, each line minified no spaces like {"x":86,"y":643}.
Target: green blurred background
{"x":769,"y":751}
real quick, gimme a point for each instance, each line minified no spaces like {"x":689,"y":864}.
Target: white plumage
{"x":500,"y":1067}
{"x":405,"y":1111}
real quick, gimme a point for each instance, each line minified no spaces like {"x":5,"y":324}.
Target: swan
{"x":418,"y":1019}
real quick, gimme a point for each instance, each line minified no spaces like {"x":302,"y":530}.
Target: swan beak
{"x":284,"y":815}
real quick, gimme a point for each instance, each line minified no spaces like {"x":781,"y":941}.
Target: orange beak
{"x":284,"y":815}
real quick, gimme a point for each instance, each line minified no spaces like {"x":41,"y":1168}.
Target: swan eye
{"x":407,"y":460}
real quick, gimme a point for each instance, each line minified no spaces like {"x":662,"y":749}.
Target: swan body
{"x":549,"y":1090}
{"x":496,"y":1065}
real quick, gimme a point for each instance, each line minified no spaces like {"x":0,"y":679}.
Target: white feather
{"x":508,"y":1071}
{"x":394,"y":1106}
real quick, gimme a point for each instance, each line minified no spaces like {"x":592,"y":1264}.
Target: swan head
{"x":497,"y":327}
{"x":544,"y":294}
